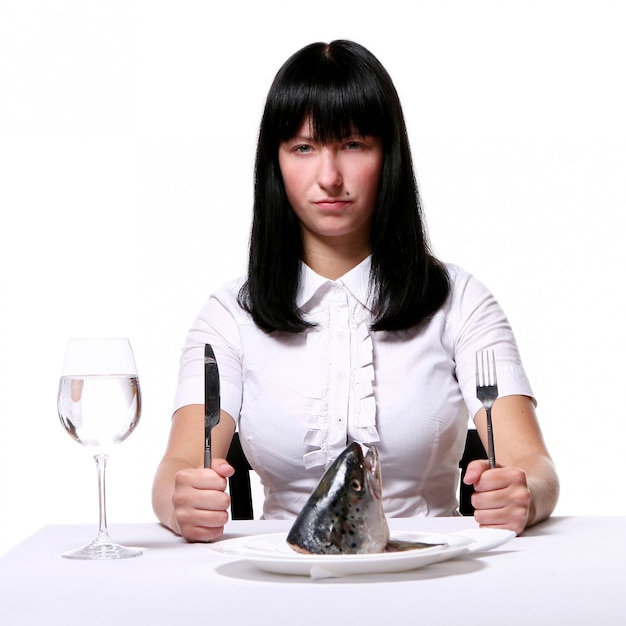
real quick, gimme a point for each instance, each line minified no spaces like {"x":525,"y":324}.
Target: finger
{"x":201,"y":534}
{"x":188,"y":497}
{"x":222,"y":467}
{"x":505,"y":507}
{"x":501,"y":478}
{"x":201,"y":514}
{"x":200,"y":478}
{"x":509,"y":518}
{"x":203,"y":526}
{"x":474,"y":471}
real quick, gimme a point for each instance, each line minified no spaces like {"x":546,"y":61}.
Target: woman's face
{"x":332,"y":187}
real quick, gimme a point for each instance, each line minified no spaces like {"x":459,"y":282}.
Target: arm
{"x":186,"y":497}
{"x":523,"y":489}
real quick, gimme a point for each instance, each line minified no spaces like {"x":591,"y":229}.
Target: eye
{"x":302,"y":149}
{"x":353,"y":145}
{"x":356,"y":485}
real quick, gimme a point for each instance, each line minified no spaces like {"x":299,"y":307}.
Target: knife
{"x":211,"y":400}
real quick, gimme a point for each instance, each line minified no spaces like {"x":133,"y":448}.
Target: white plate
{"x":272,"y":554}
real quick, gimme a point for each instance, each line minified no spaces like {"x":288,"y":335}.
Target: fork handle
{"x":491,"y":452}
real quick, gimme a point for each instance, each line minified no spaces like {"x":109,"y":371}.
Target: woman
{"x":347,"y":328}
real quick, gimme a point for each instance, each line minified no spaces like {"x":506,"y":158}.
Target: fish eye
{"x":356,"y":485}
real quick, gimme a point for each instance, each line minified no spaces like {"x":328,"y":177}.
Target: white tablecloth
{"x":568,"y":570}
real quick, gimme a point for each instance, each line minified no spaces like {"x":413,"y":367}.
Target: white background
{"x":127,"y":137}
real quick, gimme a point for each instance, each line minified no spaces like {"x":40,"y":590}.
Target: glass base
{"x":102,"y":548}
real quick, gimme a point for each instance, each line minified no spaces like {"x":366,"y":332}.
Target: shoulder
{"x":229,"y":291}
{"x":223,"y":301}
{"x":463,"y":283}
{"x":469,"y":297}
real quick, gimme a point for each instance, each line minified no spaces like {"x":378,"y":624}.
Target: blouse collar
{"x":313,"y":285}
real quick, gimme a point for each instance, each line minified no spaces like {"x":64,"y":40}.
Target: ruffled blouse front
{"x":340,"y":404}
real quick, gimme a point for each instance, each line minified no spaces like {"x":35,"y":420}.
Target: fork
{"x":487,"y":392}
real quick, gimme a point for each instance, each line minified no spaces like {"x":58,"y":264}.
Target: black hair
{"x":342,"y":89}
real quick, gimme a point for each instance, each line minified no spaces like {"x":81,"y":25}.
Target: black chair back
{"x":473,"y":450}
{"x":239,"y":482}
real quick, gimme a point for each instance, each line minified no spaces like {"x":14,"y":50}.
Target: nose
{"x":329,"y":172}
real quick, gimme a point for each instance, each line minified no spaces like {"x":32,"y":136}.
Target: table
{"x":568,"y":570}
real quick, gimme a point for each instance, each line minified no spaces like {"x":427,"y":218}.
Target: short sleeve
{"x":479,"y":323}
{"x":216,"y":324}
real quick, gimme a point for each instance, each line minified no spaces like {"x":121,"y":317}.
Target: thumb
{"x":222,"y":467}
{"x":475,"y":470}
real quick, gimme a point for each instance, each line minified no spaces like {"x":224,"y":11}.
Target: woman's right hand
{"x":187,"y":498}
{"x":200,"y":502}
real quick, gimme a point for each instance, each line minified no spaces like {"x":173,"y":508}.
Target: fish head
{"x":344,"y":515}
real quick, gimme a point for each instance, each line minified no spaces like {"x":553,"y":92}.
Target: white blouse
{"x":299,"y":399}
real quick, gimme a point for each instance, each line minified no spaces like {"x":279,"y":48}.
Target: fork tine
{"x":494,"y":379}
{"x":480,"y":368}
{"x":486,"y":368}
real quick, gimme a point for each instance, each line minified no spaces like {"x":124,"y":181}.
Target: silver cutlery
{"x":211,"y":400}
{"x":487,"y":392}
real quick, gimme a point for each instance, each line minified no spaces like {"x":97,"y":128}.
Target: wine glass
{"x":99,"y":404}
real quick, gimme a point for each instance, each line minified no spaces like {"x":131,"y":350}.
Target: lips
{"x":332,"y":205}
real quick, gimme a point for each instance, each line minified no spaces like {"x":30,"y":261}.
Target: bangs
{"x":335,"y":112}
{"x":339,"y":98}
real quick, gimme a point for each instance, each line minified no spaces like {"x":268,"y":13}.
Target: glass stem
{"x":101,"y":465}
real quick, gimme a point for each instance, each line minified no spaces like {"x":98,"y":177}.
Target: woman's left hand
{"x":502,"y":498}
{"x":523,"y":488}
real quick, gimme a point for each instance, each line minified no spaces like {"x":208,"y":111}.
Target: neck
{"x":333,"y":261}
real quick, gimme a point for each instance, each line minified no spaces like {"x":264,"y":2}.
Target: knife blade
{"x":211,"y":399}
